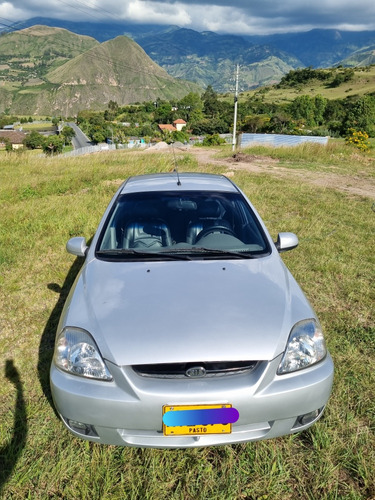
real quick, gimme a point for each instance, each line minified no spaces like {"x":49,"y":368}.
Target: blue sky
{"x":223,"y":16}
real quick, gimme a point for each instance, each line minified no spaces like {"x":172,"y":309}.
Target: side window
{"x":250,"y":231}
{"x":110,"y":238}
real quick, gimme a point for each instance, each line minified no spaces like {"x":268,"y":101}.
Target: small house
{"x":167,"y":127}
{"x":179,"y":124}
{"x":13,"y":137}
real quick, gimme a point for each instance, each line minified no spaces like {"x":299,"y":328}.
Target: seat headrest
{"x":209,"y":209}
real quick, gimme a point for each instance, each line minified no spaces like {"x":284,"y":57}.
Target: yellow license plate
{"x":198,"y":429}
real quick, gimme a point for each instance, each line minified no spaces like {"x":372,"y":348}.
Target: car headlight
{"x":306,"y":346}
{"x":77,"y":353}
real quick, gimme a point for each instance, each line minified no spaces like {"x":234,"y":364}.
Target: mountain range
{"x":170,"y":46}
{"x":63,"y":66}
{"x":45,"y":70}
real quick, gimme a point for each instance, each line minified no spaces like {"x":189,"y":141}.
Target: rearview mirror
{"x":77,"y":246}
{"x":286,"y":241}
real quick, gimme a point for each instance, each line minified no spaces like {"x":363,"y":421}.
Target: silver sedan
{"x":184,"y":328}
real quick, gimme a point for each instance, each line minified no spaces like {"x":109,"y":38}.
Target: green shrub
{"x":213,"y":140}
{"x":358,"y":139}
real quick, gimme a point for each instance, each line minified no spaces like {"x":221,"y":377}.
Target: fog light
{"x":307,"y":418}
{"x":81,"y":428}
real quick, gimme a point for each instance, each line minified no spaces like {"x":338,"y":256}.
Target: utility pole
{"x":235,"y":109}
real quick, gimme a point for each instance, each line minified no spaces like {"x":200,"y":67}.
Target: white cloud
{"x":157,"y":12}
{"x":226,"y":16}
{"x":9,"y":12}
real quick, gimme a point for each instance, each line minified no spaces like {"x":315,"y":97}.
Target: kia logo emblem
{"x":195,"y":372}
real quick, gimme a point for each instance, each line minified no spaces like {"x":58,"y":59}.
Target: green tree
{"x":281,"y":123}
{"x":190,"y":107}
{"x":147,"y":130}
{"x":211,"y":104}
{"x":210,"y":127}
{"x":334,"y":110}
{"x":302,"y":76}
{"x":7,"y":120}
{"x":67,"y":134}
{"x":254,"y":123}
{"x":342,"y":77}
{"x":163,"y":112}
{"x":34,"y":140}
{"x":303,"y":109}
{"x":96,"y":127}
{"x":320,"y":104}
{"x":52,"y":145}
{"x":113,"y":106}
{"x":98,"y":136}
{"x":109,"y":115}
{"x":361,"y":115}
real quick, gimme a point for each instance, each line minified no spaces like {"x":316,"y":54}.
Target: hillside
{"x":78,"y":73}
{"x":117,"y":70}
{"x":361,"y":82}
{"x":209,"y":58}
{"x":362,"y":57}
{"x":319,"y":48}
{"x":26,"y":55}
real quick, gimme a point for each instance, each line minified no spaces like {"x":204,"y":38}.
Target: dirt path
{"x":361,"y":186}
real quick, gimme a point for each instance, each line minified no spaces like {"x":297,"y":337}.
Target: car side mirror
{"x":77,"y":246}
{"x":286,"y":241}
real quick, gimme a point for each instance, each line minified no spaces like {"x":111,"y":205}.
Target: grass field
{"x":363,"y":83}
{"x":44,"y":202}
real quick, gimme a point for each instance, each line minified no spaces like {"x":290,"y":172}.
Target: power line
{"x":99,"y":9}
{"x":83,"y":10}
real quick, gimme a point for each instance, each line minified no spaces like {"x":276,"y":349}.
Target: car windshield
{"x":181,"y":225}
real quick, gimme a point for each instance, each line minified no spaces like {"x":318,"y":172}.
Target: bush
{"x":358,"y":139}
{"x":180,"y":136}
{"x":213,"y":140}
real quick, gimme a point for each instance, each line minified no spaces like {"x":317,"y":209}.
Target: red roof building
{"x":167,"y":127}
{"x":179,"y":124}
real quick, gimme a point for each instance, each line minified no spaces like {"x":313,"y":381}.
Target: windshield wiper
{"x":124,"y":252}
{"x":228,"y":253}
{"x":209,"y":252}
{"x":170,"y":253}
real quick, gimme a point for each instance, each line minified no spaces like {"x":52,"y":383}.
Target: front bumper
{"x":128,"y":411}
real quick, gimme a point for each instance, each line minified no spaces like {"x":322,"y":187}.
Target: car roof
{"x":173,"y":181}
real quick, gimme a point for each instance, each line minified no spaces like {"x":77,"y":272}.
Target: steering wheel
{"x":215,"y":229}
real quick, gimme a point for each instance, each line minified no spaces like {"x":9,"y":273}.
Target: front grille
{"x":178,"y":370}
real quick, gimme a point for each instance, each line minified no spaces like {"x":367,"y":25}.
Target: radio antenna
{"x":175,"y":166}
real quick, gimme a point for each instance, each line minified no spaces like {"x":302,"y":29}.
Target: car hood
{"x":160,"y":312}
